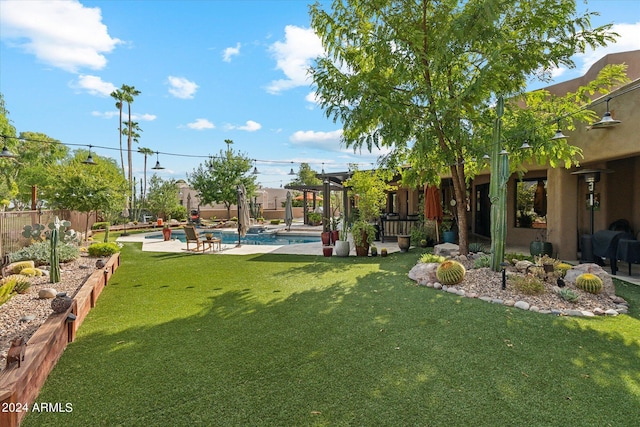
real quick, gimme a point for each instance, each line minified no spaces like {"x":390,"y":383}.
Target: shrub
{"x":428,"y":258}
{"x":528,"y":284}
{"x":40,"y":253}
{"x":100,"y":225}
{"x":517,"y":256}
{"x":477,"y":247}
{"x":275,"y":221}
{"x":482,"y":262}
{"x":450,"y":272}
{"x":563,"y":267}
{"x":589,"y":283}
{"x":18,"y":282}
{"x":103,"y":249}
{"x":569,"y":295}
{"x":19,"y":266}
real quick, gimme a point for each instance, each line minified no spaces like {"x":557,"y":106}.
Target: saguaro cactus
{"x":498,"y":192}
{"x":54,"y":258}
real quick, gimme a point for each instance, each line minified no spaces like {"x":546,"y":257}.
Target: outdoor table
{"x":211,"y":244}
{"x":629,"y":252}
{"x":605,"y":245}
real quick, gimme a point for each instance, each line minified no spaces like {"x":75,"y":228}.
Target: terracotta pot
{"x":326,"y":238}
{"x":362,"y":250}
{"x":335,"y":235}
{"x":404,"y":242}
{"x":327,"y":251}
{"x":166,"y":234}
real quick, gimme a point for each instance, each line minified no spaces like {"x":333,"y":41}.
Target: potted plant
{"x":374,"y":250}
{"x":540,"y":246}
{"x":448,"y":233}
{"x":314,"y":218}
{"x":166,"y":232}
{"x":208,"y":236}
{"x":370,"y":189}
{"x":342,"y":244}
{"x":335,"y":234}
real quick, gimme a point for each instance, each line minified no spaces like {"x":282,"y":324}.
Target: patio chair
{"x":192,"y":237}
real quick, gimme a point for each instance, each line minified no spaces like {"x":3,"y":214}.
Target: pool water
{"x":249,"y":239}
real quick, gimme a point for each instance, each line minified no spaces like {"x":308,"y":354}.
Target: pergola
{"x":330,"y":182}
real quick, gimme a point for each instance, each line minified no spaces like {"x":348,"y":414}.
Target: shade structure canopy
{"x":432,"y":205}
{"x":288,"y":211}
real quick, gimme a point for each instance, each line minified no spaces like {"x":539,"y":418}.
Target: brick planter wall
{"x":20,"y":386}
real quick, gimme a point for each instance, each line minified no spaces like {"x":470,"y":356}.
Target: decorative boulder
{"x":447,"y":250}
{"x":424,"y":273}
{"x":61,"y":303}
{"x":607,"y":282}
{"x":47,"y":293}
{"x":522,"y":266}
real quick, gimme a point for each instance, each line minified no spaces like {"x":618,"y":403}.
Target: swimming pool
{"x":265,"y":238}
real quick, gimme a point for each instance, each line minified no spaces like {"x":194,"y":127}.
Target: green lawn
{"x":279,"y":340}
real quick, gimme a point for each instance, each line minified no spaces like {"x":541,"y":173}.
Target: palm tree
{"x":118,"y":95}
{"x":129,"y":93}
{"x":146,"y":152}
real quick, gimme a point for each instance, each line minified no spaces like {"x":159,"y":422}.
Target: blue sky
{"x":207,"y":71}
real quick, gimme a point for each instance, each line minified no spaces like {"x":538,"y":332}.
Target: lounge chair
{"x":192,"y":237}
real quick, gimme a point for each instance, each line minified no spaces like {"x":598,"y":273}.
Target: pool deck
{"x":315,"y":248}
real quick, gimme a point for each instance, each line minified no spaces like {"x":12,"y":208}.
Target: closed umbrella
{"x":432,"y":206}
{"x":243,"y":212}
{"x":288,"y":211}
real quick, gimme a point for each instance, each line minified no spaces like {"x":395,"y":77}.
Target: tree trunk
{"x":460,"y":192}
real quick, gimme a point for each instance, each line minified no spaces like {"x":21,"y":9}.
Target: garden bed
{"x":19,"y":386}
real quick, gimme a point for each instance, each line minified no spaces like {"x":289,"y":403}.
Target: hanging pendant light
{"x":504,"y":152}
{"x":322,"y":168}
{"x":89,"y":160}
{"x":559,"y":134}
{"x":525,"y":145}
{"x":6,"y":153}
{"x":606,"y":120}
{"x":255,"y":169}
{"x":157,"y":166}
{"x":486,"y":157}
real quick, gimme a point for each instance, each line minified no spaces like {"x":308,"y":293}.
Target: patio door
{"x":483,"y":210}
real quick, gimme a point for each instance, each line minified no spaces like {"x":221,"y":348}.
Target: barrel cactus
{"x":450,"y":272}
{"x":19,"y":266}
{"x":589,"y":282}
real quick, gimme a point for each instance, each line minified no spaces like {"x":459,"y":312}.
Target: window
{"x":531,"y":203}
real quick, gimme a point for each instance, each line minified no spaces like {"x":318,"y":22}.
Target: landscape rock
{"x":522,"y":305}
{"x":447,"y":250}
{"x":47,"y":293}
{"x":522,"y":266}
{"x":424,"y":272}
{"x":607,"y":282}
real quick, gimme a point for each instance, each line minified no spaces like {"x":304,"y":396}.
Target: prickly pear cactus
{"x":450,"y":272}
{"x":589,"y":283}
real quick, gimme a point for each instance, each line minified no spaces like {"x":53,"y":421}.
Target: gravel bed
{"x":23,"y":314}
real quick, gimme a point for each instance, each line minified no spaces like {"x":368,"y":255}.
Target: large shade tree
{"x":163,"y":198}
{"x":216,"y":180}
{"x":421,"y":76}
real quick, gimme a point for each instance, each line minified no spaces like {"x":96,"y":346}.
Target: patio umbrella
{"x":288,"y":211}
{"x":432,"y":206}
{"x":243,"y":212}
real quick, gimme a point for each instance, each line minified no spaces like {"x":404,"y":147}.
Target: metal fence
{"x":12,"y":224}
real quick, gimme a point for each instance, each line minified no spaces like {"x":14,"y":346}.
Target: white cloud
{"x":94,"y":85}
{"x":229,"y":52}
{"x":134,"y":117}
{"x":628,"y":40}
{"x":64,"y":34}
{"x":181,"y":87}
{"x":201,"y":124}
{"x":293,"y":57}
{"x":321,"y":140}
{"x":144,"y":117}
{"x":249,"y":126}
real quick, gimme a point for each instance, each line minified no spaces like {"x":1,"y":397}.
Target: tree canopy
{"x":421,"y":76}
{"x":216,"y":179}
{"x":306,"y":176}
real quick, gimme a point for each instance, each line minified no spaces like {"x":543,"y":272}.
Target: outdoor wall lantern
{"x":591,"y":176}
{"x":606,"y":121}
